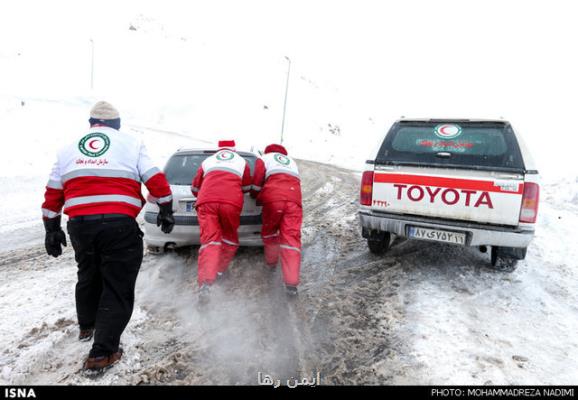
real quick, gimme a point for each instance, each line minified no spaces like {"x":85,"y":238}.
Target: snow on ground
{"x":425,"y":313}
{"x":46,"y":333}
{"x":477,"y":328}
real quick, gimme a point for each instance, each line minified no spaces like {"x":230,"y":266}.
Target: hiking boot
{"x":85,"y":335}
{"x":97,"y":365}
{"x":291,"y":291}
{"x":204,"y":294}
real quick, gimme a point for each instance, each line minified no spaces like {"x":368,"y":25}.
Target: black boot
{"x":291,"y":291}
{"x":204,"y":294}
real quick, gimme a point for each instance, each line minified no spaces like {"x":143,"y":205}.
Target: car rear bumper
{"x":192,"y":220}
{"x":186,"y":232}
{"x":476,"y":234}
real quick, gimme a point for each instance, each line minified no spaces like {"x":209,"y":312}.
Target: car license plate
{"x":437,"y":235}
{"x":189,"y":206}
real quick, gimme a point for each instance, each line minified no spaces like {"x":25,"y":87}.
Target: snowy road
{"x":423,"y":314}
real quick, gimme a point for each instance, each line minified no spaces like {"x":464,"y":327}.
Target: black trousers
{"x":109,"y":254}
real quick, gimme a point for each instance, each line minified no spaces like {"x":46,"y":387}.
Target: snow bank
{"x":481,"y":327}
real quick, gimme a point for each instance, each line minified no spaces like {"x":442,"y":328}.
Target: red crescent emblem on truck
{"x":447,"y":131}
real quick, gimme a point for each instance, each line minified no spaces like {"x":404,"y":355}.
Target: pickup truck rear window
{"x":479,"y":145}
{"x":182,"y":168}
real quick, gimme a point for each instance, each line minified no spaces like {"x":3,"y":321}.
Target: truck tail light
{"x":366,"y":192}
{"x":529,"y":211}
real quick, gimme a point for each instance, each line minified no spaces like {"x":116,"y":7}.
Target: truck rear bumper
{"x":477,"y":234}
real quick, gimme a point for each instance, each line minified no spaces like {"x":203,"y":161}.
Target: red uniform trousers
{"x":219,"y":223}
{"x":281,"y":235}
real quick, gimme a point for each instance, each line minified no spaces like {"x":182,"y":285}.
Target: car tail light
{"x":366,"y":188}
{"x":530,"y":200}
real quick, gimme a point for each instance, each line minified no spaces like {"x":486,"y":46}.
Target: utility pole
{"x":91,"y":64}
{"x":285,"y":102}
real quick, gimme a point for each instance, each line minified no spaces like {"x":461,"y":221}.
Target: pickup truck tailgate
{"x":470,"y":195}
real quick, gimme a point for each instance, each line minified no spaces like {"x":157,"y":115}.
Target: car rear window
{"x":452,"y":144}
{"x":182,"y":168}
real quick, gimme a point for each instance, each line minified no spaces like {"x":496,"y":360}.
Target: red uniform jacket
{"x":276,"y":178}
{"x":222,"y":178}
{"x":101,"y":173}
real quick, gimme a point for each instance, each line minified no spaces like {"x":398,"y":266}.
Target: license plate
{"x":189,"y":206}
{"x":437,"y":235}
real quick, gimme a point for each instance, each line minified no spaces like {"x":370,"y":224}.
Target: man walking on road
{"x":96,"y":181}
{"x":277,"y":187}
{"x":219,"y":186}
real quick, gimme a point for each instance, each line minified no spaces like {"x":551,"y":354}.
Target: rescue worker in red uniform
{"x":277,"y":187}
{"x":96,"y":181}
{"x":219,"y":186}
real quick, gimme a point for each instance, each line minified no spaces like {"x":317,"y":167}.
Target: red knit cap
{"x":227,"y":143}
{"x":275,"y":148}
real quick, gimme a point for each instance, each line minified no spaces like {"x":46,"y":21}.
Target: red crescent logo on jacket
{"x":225,"y":156}
{"x":281,"y":159}
{"x":94,"y":144}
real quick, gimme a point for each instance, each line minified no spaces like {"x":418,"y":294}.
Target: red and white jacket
{"x":222,"y":178}
{"x":276,"y":178}
{"x":101,"y":173}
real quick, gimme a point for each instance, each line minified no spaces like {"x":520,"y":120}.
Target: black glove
{"x":165,"y":217}
{"x":55,"y":237}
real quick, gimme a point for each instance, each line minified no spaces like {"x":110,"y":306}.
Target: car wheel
{"x":505,"y":260}
{"x":379,"y":245}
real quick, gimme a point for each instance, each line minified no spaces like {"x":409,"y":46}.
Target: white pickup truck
{"x":466,"y":182}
